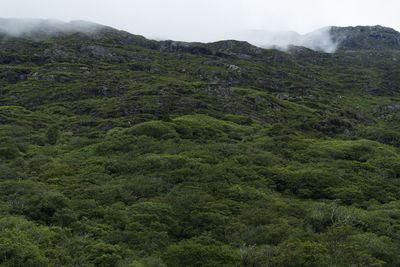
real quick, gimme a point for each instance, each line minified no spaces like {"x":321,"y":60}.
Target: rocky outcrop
{"x":192,"y":48}
{"x":99,"y":51}
{"x":13,"y":75}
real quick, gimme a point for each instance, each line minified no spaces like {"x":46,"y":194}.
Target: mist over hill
{"x":327,"y":39}
{"x":320,"y":40}
{"x":35,"y":27}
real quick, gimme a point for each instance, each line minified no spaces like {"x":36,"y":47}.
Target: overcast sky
{"x":208,"y":20}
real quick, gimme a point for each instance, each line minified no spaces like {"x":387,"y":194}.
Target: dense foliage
{"x":120,"y":151}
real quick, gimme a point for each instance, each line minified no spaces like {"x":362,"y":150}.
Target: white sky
{"x":207,"y":20}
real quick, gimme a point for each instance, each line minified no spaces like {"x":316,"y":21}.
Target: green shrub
{"x":196,"y":255}
{"x":156,"y":129}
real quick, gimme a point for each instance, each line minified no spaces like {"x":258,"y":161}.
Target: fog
{"x":27,"y":27}
{"x":317,"y":40}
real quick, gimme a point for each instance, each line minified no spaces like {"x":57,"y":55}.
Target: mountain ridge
{"x":366,"y":37}
{"x":327,"y":39}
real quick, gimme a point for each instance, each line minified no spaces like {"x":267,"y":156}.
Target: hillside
{"x":116,"y":150}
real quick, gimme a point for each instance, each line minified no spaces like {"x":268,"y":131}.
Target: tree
{"x":198,"y":255}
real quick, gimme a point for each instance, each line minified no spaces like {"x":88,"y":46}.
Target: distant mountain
{"x":365,"y":37}
{"x":328,"y":39}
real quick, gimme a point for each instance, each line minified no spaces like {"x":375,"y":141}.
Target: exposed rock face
{"x":98,"y":51}
{"x":13,"y":76}
{"x":57,"y":52}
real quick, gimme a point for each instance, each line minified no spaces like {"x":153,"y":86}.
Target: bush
{"x":156,"y":129}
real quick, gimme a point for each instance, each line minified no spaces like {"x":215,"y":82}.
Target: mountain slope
{"x":121,"y":151}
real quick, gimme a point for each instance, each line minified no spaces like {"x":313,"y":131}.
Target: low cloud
{"x":28,"y":27}
{"x":320,"y":40}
